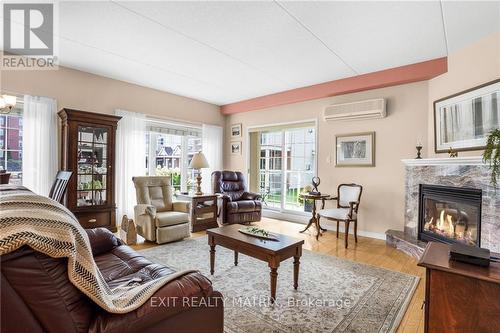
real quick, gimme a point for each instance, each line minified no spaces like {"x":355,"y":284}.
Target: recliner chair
{"x":236,"y":204}
{"x":158,"y":218}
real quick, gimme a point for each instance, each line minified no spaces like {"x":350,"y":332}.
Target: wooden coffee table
{"x":272,"y":252}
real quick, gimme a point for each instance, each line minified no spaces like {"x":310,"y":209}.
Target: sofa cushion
{"x":123,"y":266}
{"x":165,"y":219}
{"x":102,"y":240}
{"x":243,"y":206}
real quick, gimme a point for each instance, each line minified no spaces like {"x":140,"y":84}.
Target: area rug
{"x":334,"y":295}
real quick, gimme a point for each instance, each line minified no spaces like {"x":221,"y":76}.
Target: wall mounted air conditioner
{"x":370,"y":109}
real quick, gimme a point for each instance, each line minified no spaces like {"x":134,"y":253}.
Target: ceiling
{"x":224,"y":52}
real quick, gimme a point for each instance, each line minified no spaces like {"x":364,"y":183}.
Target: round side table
{"x":314,"y":219}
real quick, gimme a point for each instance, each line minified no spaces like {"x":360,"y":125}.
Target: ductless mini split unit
{"x":369,"y":109}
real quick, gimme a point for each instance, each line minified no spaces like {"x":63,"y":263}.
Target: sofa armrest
{"x":181,"y":206}
{"x":251,"y":196}
{"x":183,"y":294}
{"x":144,"y":209}
{"x":102,"y":240}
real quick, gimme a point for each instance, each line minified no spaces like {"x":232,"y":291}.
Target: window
{"x":11,"y":137}
{"x":286,"y":164}
{"x":169,"y":150}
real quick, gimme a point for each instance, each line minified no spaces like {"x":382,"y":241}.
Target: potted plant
{"x":491,"y":155}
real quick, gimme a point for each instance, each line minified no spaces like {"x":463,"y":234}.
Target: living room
{"x":151,"y":184}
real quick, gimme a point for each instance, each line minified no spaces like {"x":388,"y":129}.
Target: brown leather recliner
{"x":37,"y":296}
{"x":236,"y":204}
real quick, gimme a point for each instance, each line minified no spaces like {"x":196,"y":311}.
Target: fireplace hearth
{"x":450,"y":214}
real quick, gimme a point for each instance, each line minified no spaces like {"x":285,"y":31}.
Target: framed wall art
{"x":355,"y":150}
{"x":236,"y":148}
{"x":463,"y":121}
{"x":236,"y":131}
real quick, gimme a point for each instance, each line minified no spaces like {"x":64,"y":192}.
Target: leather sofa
{"x":37,"y":296}
{"x":157,"y":217}
{"x":236,"y":204}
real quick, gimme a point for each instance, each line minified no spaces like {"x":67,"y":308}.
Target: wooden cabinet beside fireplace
{"x":459,"y":297}
{"x":88,"y":150}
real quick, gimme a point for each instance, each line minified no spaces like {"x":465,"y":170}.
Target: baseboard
{"x":328,"y":225}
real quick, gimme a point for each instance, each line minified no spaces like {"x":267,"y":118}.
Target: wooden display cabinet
{"x":88,"y":150}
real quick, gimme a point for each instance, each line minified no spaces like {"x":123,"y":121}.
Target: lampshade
{"x":199,"y":161}
{"x":10,"y":101}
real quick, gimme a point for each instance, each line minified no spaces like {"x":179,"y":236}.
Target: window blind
{"x":173,"y":129}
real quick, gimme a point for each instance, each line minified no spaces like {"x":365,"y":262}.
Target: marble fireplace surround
{"x":458,"y":172}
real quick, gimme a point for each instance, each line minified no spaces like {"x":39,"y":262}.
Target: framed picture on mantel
{"x":463,"y":121}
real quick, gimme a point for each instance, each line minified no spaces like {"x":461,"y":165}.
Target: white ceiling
{"x":223,"y":52}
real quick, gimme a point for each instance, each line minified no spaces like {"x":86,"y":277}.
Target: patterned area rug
{"x":334,"y":295}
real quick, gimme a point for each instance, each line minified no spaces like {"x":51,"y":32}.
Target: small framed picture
{"x":236,"y":131}
{"x":236,"y":148}
{"x":355,"y":150}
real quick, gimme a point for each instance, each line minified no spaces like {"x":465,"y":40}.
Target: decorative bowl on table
{"x":258,"y":232}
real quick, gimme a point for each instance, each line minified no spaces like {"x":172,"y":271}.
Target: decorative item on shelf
{"x":128,"y":233}
{"x":452,"y":152}
{"x":198,"y":162}
{"x":7,"y":102}
{"x":491,"y":155}
{"x":419,"y":149}
{"x":315,"y":183}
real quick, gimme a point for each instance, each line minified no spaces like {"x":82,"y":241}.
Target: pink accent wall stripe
{"x":389,"y":77}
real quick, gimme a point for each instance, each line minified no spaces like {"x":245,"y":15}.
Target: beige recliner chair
{"x":157,"y":217}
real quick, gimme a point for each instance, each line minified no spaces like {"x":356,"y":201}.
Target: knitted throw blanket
{"x":50,"y":228}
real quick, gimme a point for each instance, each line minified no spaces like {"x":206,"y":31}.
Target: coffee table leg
{"x":274,"y":280}
{"x":235,"y":258}
{"x":296,"y":266}
{"x":212,"y":259}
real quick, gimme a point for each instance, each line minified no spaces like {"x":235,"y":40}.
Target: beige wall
{"x":383,"y":195}
{"x":471,"y":66}
{"x":84,"y":91}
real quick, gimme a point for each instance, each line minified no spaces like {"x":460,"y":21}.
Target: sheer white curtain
{"x":40,"y":148}
{"x":212,"y":137}
{"x":130,"y":159}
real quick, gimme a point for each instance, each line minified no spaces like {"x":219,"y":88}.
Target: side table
{"x":314,"y":219}
{"x":202,"y":212}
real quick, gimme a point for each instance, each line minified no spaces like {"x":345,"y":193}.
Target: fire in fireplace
{"x":450,"y":214}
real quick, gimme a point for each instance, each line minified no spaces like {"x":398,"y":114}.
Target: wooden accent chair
{"x":60,"y":185}
{"x":348,"y":199}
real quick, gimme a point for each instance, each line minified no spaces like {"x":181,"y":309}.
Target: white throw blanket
{"x":50,"y":228}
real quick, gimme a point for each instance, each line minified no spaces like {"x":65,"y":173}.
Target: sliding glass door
{"x":286,"y":163}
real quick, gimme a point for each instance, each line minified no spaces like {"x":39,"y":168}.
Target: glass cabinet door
{"x":92,"y":165}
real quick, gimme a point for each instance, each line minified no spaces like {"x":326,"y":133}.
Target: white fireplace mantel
{"x":467,"y":160}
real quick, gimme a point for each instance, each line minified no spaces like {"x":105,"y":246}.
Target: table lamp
{"x":199,"y":161}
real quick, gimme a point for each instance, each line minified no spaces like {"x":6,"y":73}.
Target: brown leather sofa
{"x":236,"y":204}
{"x":36,"y":295}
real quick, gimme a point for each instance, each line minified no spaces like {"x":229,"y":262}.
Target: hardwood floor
{"x":367,"y":250}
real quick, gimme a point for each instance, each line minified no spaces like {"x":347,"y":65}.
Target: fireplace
{"x":450,"y":214}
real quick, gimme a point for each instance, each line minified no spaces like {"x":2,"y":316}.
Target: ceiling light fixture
{"x":7,"y":102}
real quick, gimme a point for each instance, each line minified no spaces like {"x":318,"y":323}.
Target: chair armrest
{"x":250,"y":196}
{"x":144,"y":209}
{"x":323,"y":201}
{"x":352,"y":208}
{"x":102,"y":240}
{"x":181,"y":206}
{"x":182,"y":294}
